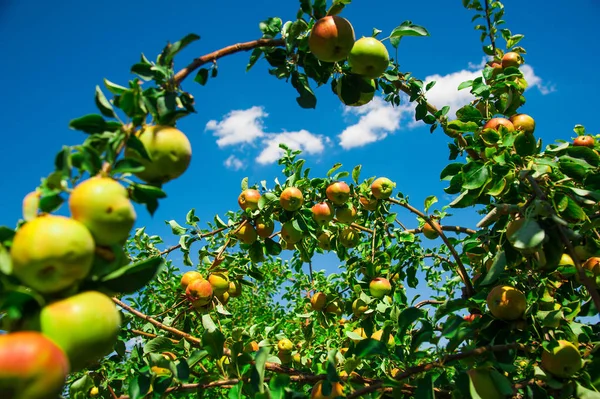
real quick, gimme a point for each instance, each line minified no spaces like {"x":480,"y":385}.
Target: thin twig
{"x":428,"y":302}
{"x":489,"y":23}
{"x":457,"y":229}
{"x":201,"y":236}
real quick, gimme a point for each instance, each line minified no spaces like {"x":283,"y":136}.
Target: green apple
{"x":429,"y":231}
{"x":349,"y":237}
{"x":102,"y":204}
{"x":219,"y":282}
{"x":317,"y":301}
{"x":246,"y":234}
{"x":563,"y":360}
{"x":235,"y":288}
{"x":482,"y":383}
{"x":248,"y":199}
{"x":523,"y":122}
{"x":290,"y":234}
{"x":31,"y":366}
{"x":285,"y":345}
{"x":355,"y":90}
{"x":325,"y":240}
{"x":51,"y":253}
{"x":359,"y":307}
{"x":331,"y":38}
{"x":346,"y":213}
{"x":380,"y":287}
{"x":169,"y":150}
{"x":382,"y":188}
{"x":506,"y":303}
{"x":369,"y":57}
{"x":86,"y":326}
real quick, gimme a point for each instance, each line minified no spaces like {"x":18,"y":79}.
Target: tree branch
{"x":199,"y":237}
{"x":215,"y":55}
{"x":489,"y":23}
{"x":457,"y":229}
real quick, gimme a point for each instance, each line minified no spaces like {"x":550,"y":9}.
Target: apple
{"x":382,"y":188}
{"x":364,"y":87}
{"x":325,"y":240}
{"x":248,"y":199}
{"x":291,"y":199}
{"x":429,"y":231}
{"x":523,"y":122}
{"x":481,"y":382}
{"x":369,"y":57}
{"x":563,"y":360}
{"x":169,"y":150}
{"x":471,"y":317}
{"x":94,"y":392}
{"x":251,"y":347}
{"x":334,"y":307}
{"x":380,"y":287}
{"x":284,"y":357}
{"x":31,"y":366}
{"x":506,"y":303}
{"x":234,"y":289}
{"x":290,"y":234}
{"x":287,"y":245}
{"x":370,"y":204}
{"x":349,"y":237}
{"x":199,"y":292}
{"x":359,"y":307}
{"x":584,"y":141}
{"x":223,"y":297}
{"x":338,"y":193}
{"x":494,"y":123}
{"x":511,"y":59}
{"x":246,"y":234}
{"x":264,"y":227}
{"x":102,"y":204}
{"x":337,"y":390}
{"x":85,"y":326}
{"x":566,"y":260}
{"x":592,"y":265}
{"x":219,"y":282}
{"x":51,"y":253}
{"x":346,"y":214}
{"x":322,"y":213}
{"x":188,"y":277}
{"x":317,"y":301}
{"x":285,"y":345}
{"x":377,"y":335}
{"x":331,"y":38}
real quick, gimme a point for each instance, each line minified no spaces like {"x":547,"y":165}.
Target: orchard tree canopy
{"x":92,"y":307}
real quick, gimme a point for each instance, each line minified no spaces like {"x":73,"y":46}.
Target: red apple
{"x":370,"y":204}
{"x":494,"y":123}
{"x":429,"y":231}
{"x":338,"y":192}
{"x":199,"y":292}
{"x":331,"y":38}
{"x":291,"y":199}
{"x":382,"y":188}
{"x":523,"y":123}
{"x":188,"y":277}
{"x":584,"y":141}
{"x":31,"y":366}
{"x":511,"y":59}
{"x":380,"y":287}
{"x":248,"y":199}
{"x":322,"y":213}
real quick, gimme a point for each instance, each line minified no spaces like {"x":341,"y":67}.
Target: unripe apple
{"x":584,"y":141}
{"x":380,"y":287}
{"x":365,"y":87}
{"x":291,"y":199}
{"x":235,"y":288}
{"x":331,"y":38}
{"x":86,"y":326}
{"x":523,"y":122}
{"x":248,"y":199}
{"x":219,"y":282}
{"x":264,"y":227}
{"x":200,"y":292}
{"x":337,"y":390}
{"x":246,"y":234}
{"x":188,"y":277}
{"x":346,"y":213}
{"x":369,"y":57}
{"x":349,"y":237}
{"x":325,"y":240}
{"x":482,"y":383}
{"x":334,"y":307}
{"x":322,"y":213}
{"x":511,"y":59}
{"x":494,"y":123}
{"x":169,"y":150}
{"x":290,"y":234}
{"x":102,"y":204}
{"x":429,"y":231}
{"x":382,"y":188}
{"x":51,"y":253}
{"x":563,"y":360}
{"x":359,"y":307}
{"x":338,"y":192}
{"x":287,"y":245}
{"x":31,"y":366}
{"x":377,"y":335}
{"x":318,"y":300}
{"x":370,"y":204}
{"x":285,"y":345}
{"x":506,"y":303}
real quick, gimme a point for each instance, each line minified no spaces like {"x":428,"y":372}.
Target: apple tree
{"x":91,"y":307}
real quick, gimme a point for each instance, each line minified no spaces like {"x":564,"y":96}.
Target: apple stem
{"x":462,"y":272}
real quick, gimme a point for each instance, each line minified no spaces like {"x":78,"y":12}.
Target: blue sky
{"x":55,"y":53}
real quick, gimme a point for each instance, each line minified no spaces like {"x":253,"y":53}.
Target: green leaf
{"x":278,"y":384}
{"x":213,"y":342}
{"x":585,"y":393}
{"x":370,"y":347}
{"x":176,"y":228}
{"x":272,"y":247}
{"x":171,"y":50}
{"x":103,"y":104}
{"x":113,"y":87}
{"x":139,"y":385}
{"x":498,"y":266}
{"x":451,"y":170}
{"x":201,"y":76}
{"x":465,"y":84}
{"x":307,"y":98}
{"x":147,"y":194}
{"x":475,"y":175}
{"x":424,"y":388}
{"x":333,"y":169}
{"x":271,"y":27}
{"x":432,"y":199}
{"x":407,"y":28}
{"x":407,"y":317}
{"x":356,"y":173}
{"x":254,"y":56}
{"x":133,"y":277}
{"x":529,"y":235}
{"x":127,"y":165}
{"x":157,"y":345}
{"x":92,"y":123}
{"x":5,"y":261}
{"x":463,"y":126}
{"x":257,"y":378}
{"x":135,"y":144}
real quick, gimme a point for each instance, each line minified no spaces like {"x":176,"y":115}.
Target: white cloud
{"x":239,"y":127}
{"x":535,"y":81}
{"x":377,"y":120}
{"x":301,"y":140}
{"x":234,"y":163}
